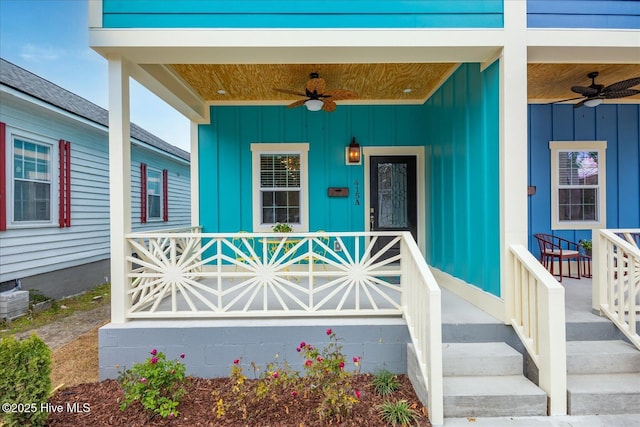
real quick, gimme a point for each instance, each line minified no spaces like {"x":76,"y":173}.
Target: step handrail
{"x":538,"y":310}
{"x":616,"y":275}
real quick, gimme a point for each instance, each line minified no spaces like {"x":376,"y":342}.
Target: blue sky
{"x":50,"y":38}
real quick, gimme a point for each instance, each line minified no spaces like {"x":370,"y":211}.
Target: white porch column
{"x":119,"y":183}
{"x":195,"y":177}
{"x":513,"y":142}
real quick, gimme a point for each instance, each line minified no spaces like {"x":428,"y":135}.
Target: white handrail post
{"x":553,"y":378}
{"x":599,"y":270}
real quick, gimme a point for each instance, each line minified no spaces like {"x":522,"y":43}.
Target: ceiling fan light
{"x":593,"y":102}
{"x":314,"y":104}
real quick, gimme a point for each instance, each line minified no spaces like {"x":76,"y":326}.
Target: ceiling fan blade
{"x":622,"y":85}
{"x":290,"y":92}
{"x":565,"y":100}
{"x":297,"y":103}
{"x":620,"y":93}
{"x":328,"y":105}
{"x":316,"y":85}
{"x":340,"y":94}
{"x":581,"y":103}
{"x":584,"y":90}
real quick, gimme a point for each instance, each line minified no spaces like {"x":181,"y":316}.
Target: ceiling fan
{"x":317,"y":97}
{"x":594,"y":94}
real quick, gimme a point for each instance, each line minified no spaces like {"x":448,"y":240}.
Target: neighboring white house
{"x":54,"y":192}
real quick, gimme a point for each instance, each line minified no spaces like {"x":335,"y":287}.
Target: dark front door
{"x":393,"y":197}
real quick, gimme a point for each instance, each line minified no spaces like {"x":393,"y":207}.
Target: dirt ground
{"x":73,"y":341}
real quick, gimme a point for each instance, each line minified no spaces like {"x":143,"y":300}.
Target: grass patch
{"x":89,"y":300}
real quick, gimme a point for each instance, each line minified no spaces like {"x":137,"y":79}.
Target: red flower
{"x":275,"y":375}
{"x":294,"y":393}
{"x":302,"y":344}
{"x":329,"y":331}
{"x":154,"y":352}
{"x":236,"y":361}
{"x":358,"y":394}
{"x":298,"y":349}
{"x":355,"y":360}
{"x":320,"y":359}
{"x":153,"y":360}
{"x":341,"y":365}
{"x":143,"y":380}
{"x":182,"y":356}
{"x":308,"y":363}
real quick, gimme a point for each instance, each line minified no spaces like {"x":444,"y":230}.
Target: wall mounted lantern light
{"x":353,"y":153}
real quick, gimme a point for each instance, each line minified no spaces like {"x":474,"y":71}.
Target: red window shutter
{"x":64,"y":190}
{"x":165,"y":195}
{"x":3,"y":172}
{"x":143,"y":192}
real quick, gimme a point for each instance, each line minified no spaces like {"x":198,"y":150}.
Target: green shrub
{"x":398,"y":413}
{"x":25,"y":383}
{"x":157,"y":384}
{"x":385,"y":382}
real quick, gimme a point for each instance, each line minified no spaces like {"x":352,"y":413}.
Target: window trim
{"x":149,"y":218}
{"x":301,"y":149}
{"x":10,"y":135}
{"x":601,"y":147}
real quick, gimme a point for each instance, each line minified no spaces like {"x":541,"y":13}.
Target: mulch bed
{"x":198,"y":407}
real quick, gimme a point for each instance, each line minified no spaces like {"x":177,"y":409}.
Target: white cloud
{"x":35,"y":53}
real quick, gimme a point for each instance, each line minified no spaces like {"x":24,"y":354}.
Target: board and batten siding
{"x":27,"y":251}
{"x":225,"y":149}
{"x":458,"y":128}
{"x":462,"y":140}
{"x":619,"y":126}
{"x":609,"y":14}
{"x":303,"y":14}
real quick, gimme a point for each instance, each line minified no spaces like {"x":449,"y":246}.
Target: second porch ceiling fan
{"x":594,"y":94}
{"x":317,"y":98}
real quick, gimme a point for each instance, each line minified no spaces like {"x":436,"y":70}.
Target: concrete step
{"x":485,"y":359}
{"x":492,"y":396}
{"x":602,"y":357}
{"x":603,"y":394}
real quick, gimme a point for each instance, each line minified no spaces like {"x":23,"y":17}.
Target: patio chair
{"x":240,"y":241}
{"x":320,"y":251}
{"x":556,"y":249}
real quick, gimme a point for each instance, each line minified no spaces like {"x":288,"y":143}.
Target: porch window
{"x":578,"y":184}
{"x":154,"y":194}
{"x":32,"y":180}
{"x":279,"y":193}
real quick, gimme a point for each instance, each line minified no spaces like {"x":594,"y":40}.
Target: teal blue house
{"x":442,"y":160}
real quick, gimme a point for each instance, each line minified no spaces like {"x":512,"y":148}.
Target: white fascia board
{"x":587,"y":46}
{"x":45,"y":105}
{"x":297,"y":45}
{"x":95,"y":13}
{"x":40,"y":103}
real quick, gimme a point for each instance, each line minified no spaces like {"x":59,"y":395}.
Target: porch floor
{"x":577,"y":306}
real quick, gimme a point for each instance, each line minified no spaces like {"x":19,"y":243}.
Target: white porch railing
{"x":616,"y":278}
{"x":421,"y":303}
{"x":538,"y":319}
{"x":198,"y":275}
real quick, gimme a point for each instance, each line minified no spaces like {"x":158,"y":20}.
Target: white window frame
{"x":560,"y":146}
{"x":149,"y":217}
{"x":11,"y":135}
{"x":301,"y":149}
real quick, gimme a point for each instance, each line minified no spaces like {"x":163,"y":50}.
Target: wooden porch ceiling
{"x":381,"y":82}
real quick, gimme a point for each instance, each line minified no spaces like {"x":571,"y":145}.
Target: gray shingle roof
{"x":26,"y":82}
